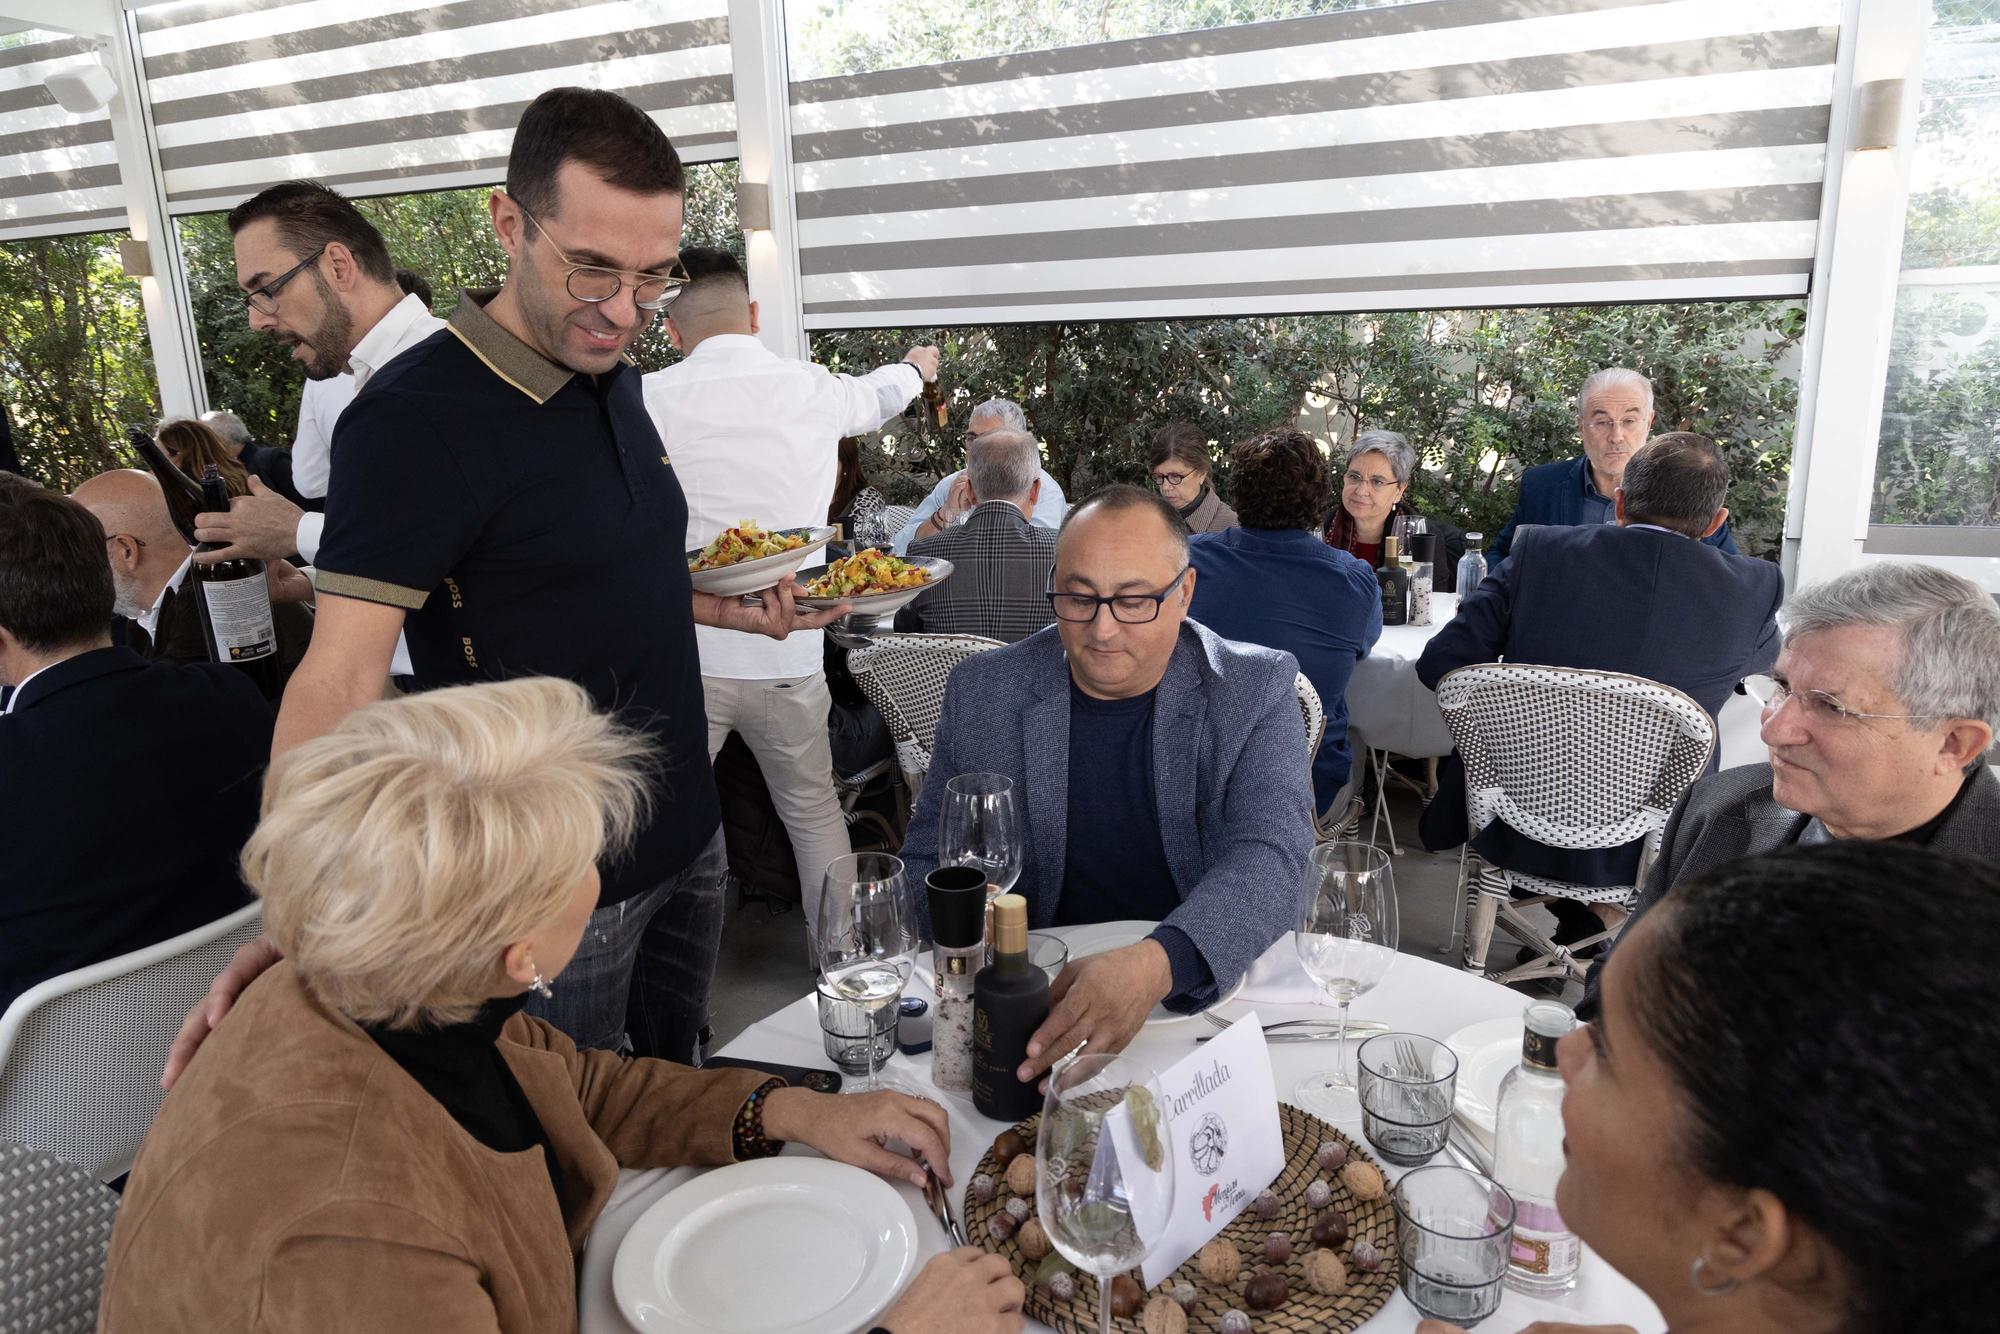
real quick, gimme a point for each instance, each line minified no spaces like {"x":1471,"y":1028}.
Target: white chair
{"x":80,"y":1054}
{"x":55,"y":1230}
{"x":903,"y":677}
{"x":895,"y":516}
{"x":1315,"y":717}
{"x":1573,"y":759}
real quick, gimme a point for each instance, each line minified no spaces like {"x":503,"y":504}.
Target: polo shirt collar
{"x":504,"y":354}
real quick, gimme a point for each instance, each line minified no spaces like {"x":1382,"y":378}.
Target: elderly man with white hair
{"x":1885,"y":705}
{"x":1001,"y":561}
{"x":951,"y":500}
{"x":1614,"y":415}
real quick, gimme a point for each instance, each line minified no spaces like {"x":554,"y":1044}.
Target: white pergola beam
{"x":764,"y":148}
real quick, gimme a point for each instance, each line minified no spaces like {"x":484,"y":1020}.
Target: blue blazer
{"x":1604,"y":598}
{"x":1561,"y":495}
{"x":1230,"y":769}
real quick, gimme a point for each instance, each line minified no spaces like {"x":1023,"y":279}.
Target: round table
{"x":1418,"y":995}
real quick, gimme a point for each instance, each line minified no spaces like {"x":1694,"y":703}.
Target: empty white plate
{"x":1486,"y":1051}
{"x":1103,"y":937}
{"x":777,"y":1246}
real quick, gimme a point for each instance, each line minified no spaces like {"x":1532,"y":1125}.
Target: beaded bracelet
{"x":747,"y":1135}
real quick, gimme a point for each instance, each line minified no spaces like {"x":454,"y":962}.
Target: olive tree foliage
{"x":1483,"y":395}
{"x":75,"y":366}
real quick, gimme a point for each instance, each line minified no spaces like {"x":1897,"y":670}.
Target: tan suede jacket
{"x":297,"y":1180}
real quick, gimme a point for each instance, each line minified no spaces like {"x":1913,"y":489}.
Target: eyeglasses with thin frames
{"x":1126,"y":608}
{"x":129,"y":537}
{"x":1372,"y":483}
{"x":650,"y":291}
{"x":1817,"y":705}
{"x":264,"y":300}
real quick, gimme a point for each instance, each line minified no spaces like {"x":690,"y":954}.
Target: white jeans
{"x":784,"y":724}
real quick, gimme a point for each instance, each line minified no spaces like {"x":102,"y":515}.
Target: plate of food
{"x":749,"y":556}
{"x":873,"y":582}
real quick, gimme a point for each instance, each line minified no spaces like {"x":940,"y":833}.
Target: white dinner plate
{"x":776,"y":1246}
{"x":1486,"y":1051}
{"x":747,"y":576}
{"x":936,"y":571}
{"x":1103,"y":937}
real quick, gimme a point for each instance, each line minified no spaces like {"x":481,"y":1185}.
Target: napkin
{"x":1278,"y":978}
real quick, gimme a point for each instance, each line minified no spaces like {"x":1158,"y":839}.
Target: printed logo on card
{"x":1210,"y":1144}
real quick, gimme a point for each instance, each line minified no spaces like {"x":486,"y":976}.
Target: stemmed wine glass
{"x":868,"y":938}
{"x":1347,"y":941}
{"x":980,"y":826}
{"x":1104,"y":1167}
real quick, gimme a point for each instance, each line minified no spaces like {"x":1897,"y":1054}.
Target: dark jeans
{"x":641,"y":974}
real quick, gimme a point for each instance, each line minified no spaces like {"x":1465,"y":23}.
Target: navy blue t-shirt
{"x":1115,"y":865}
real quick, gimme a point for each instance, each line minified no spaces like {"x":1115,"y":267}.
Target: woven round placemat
{"x":1304,"y":1311}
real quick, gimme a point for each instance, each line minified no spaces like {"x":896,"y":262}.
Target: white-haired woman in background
{"x":1371,"y":490}
{"x":376,"y":1138}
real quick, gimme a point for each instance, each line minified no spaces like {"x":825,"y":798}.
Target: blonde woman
{"x":195,"y":447}
{"x":376,"y":1138}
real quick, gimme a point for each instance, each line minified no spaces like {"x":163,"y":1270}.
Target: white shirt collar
{"x":717,"y":347}
{"x":150,"y":622}
{"x":1655,"y":528}
{"x":15,"y":698}
{"x":407,"y":322}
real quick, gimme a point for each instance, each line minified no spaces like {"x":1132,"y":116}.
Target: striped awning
{"x":58,"y":171}
{"x":390,"y":96}
{"x":1439,"y":154}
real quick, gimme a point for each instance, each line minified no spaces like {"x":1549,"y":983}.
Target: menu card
{"x":1222,"y":1106}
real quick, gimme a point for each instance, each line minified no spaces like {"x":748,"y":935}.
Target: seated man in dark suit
{"x":1000,"y":586}
{"x":1271,"y":581}
{"x":1163,"y":771}
{"x":1614,"y":414}
{"x":1646,"y":596}
{"x":1887,"y":703}
{"x":83,"y":877}
{"x":149,"y":568}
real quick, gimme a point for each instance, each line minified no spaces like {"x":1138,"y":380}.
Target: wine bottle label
{"x":239,"y":612}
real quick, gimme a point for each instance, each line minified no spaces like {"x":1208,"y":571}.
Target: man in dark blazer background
{"x":128,"y":787}
{"x":1646,"y":596}
{"x":1002,"y":562}
{"x":1614,"y":415}
{"x":1881,"y":727}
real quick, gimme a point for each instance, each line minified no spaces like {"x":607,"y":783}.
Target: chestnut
{"x":1126,"y":1296}
{"x":1265,"y":1291}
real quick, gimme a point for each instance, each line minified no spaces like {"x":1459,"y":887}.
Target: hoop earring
{"x":1698,"y":1279}
{"x":541,"y":988}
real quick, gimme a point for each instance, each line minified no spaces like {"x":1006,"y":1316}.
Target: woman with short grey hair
{"x":1371,"y":496}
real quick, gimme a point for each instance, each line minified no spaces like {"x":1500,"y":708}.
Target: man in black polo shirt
{"x":501,"y":497}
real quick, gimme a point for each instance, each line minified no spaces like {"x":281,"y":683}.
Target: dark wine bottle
{"x":935,"y":404}
{"x":235,"y":602}
{"x":1394,"y":582}
{"x":1010,"y":999}
{"x":183,"y":492}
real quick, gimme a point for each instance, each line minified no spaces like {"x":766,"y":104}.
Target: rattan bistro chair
{"x":55,"y":1231}
{"x":1315,"y":717}
{"x":1573,"y":759}
{"x":903,"y":677}
{"x":80,"y":1054}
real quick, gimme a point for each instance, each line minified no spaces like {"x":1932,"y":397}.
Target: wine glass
{"x":1104,"y":1167}
{"x":868,"y":938}
{"x":1346,"y":940}
{"x":980,"y":826}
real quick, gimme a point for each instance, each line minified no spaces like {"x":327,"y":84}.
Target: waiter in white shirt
{"x":755,"y":436}
{"x":316,"y":276}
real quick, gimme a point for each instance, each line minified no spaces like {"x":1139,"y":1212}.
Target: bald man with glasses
{"x":1164,"y":770}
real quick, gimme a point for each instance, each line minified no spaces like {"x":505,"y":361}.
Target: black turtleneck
{"x":1187,"y":510}
{"x":460,"y":1065}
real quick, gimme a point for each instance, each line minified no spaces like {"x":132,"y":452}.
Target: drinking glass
{"x":1104,"y":1167}
{"x":1454,"y":1229}
{"x":868,"y":937}
{"x":1346,"y":940}
{"x":1407,"y":1085}
{"x":980,"y":826}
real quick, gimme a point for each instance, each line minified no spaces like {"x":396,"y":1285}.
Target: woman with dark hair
{"x":1273,"y":582}
{"x":1373,"y":485}
{"x":1180,"y":465}
{"x":1785,"y":1117}
{"x":195,"y":447}
{"x":856,"y":504}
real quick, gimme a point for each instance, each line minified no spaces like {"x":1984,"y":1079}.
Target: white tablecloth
{"x":1389,"y":709}
{"x":1418,"y":995}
